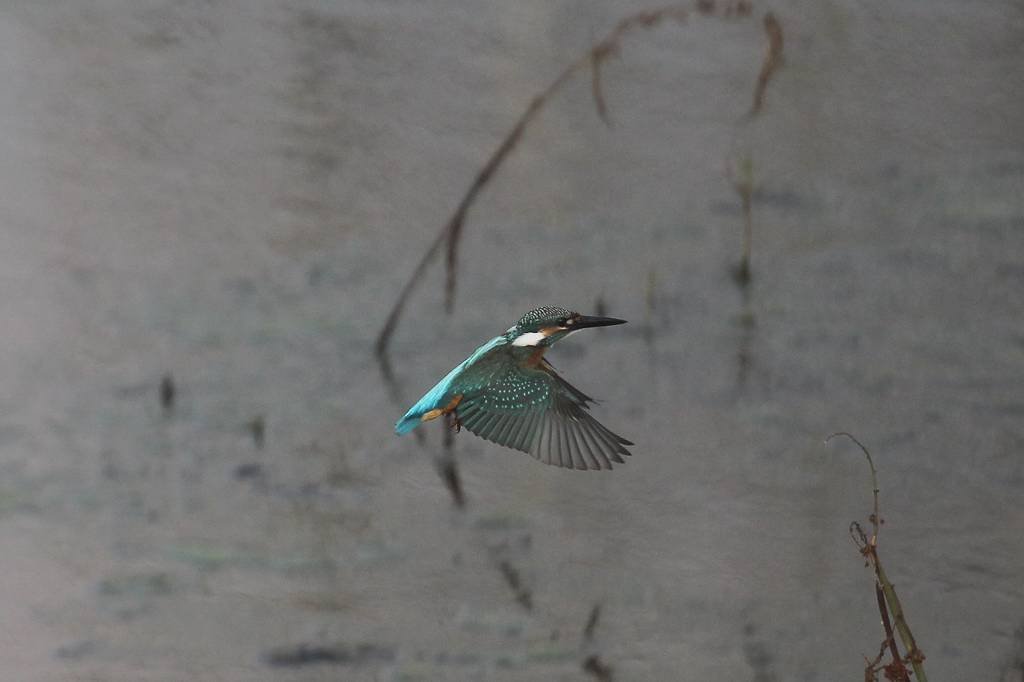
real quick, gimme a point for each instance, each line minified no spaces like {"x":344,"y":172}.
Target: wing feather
{"x":578,"y":452}
{"x":555,"y":453}
{"x":467,"y":414}
{"x":511,"y":401}
{"x":473,"y":419}
{"x":567,"y":451}
{"x":597,"y":448}
{"x":586,"y":445}
{"x":504,"y":436}
{"x":530,"y":432}
{"x":548,"y":447}
{"x":579,"y":435}
{"x":486,"y":428}
{"x":570,"y":437}
{"x":616,"y":440}
{"x":515,"y":436}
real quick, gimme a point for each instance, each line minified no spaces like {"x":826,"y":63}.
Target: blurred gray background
{"x":232,"y":193}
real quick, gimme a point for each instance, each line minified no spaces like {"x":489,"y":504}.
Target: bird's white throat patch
{"x":529,"y":339}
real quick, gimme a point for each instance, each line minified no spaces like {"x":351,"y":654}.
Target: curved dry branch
{"x":772,"y":60}
{"x":591,"y":59}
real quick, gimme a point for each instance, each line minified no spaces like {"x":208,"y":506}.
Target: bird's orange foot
{"x":451,"y":419}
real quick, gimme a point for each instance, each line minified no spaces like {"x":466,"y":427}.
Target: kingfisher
{"x":508,"y":393}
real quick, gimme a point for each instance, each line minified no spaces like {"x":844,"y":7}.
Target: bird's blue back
{"x":435,"y":398}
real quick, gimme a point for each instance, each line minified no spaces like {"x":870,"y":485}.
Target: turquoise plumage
{"x":507,"y":393}
{"x":436,"y":398}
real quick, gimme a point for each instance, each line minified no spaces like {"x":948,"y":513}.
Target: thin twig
{"x":592,"y":59}
{"x":595,"y":87}
{"x":743,"y":183}
{"x":772,"y":60}
{"x":872,"y":668}
{"x":914,"y":655}
{"x":900,"y":670}
{"x":883,"y":585}
{"x":524,"y":597}
{"x":875,"y":519}
{"x":592,"y":619}
{"x":381,"y":346}
{"x":448,"y":466}
{"x":592,"y":664}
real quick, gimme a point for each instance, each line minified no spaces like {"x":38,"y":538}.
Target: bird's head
{"x":545,"y":325}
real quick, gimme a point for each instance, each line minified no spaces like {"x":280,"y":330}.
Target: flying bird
{"x":508,"y":393}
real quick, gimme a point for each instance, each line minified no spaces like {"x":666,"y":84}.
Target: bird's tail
{"x":407,"y":423}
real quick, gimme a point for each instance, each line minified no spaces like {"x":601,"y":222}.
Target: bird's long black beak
{"x":584,"y":321}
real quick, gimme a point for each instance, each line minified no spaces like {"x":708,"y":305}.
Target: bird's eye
{"x":567,"y":322}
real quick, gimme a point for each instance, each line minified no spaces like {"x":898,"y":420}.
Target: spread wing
{"x":527,"y":406}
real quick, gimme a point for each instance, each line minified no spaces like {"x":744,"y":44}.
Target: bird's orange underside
{"x":536,"y":357}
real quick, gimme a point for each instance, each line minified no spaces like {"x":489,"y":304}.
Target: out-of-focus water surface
{"x":232,"y":193}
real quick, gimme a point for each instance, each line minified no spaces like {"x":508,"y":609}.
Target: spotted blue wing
{"x":529,"y":407}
